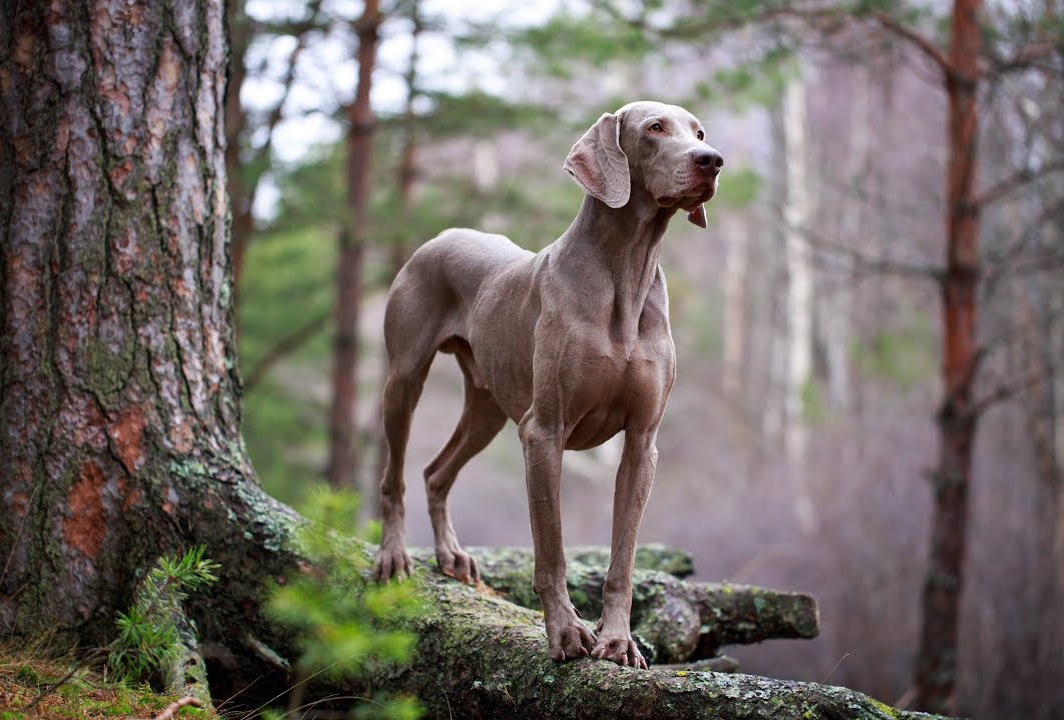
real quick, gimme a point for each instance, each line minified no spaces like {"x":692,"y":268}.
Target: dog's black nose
{"x":709,"y":159}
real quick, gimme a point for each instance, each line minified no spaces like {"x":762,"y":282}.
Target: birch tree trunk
{"x":836,"y":305}
{"x":735,"y":232}
{"x":796,"y":214}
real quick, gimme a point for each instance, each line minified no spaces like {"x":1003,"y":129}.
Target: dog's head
{"x":649,"y":146}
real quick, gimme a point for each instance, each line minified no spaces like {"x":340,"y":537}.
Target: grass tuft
{"x":24,"y":673}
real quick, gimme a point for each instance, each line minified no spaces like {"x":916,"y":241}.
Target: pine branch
{"x":284,"y":347}
{"x":921,"y":43}
{"x":1017,"y":180}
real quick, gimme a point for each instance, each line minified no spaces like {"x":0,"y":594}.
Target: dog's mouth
{"x":692,"y":198}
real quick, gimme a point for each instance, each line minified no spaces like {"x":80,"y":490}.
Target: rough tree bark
{"x":343,"y":443}
{"x":936,"y":665}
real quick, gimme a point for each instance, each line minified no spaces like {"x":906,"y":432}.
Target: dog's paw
{"x":455,"y":562}
{"x":392,"y":562}
{"x":620,"y":649}
{"x":569,"y":639}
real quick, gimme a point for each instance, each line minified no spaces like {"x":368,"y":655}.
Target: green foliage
{"x":814,"y":409}
{"x":904,"y":356}
{"x":740,"y":187}
{"x":597,"y":41}
{"x":759,"y":81}
{"x":475,"y":114}
{"x":346,"y":626}
{"x":147,"y":634}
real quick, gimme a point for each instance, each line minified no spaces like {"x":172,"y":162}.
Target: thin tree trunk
{"x":245,"y":176}
{"x":796,"y":213}
{"x":240,"y":30}
{"x":398,"y":251}
{"x":837,"y":300}
{"x":772,"y":400}
{"x":343,"y":444}
{"x":407,"y":172}
{"x":735,"y":231}
{"x":936,"y":667}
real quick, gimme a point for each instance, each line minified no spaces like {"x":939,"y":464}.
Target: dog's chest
{"x":614,"y":385}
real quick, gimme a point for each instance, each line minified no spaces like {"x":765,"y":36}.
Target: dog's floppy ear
{"x":698,"y":216}
{"x":598,"y":163}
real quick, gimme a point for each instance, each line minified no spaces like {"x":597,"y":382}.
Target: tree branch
{"x":284,"y":347}
{"x":1003,"y":392}
{"x":301,"y":32}
{"x":868,"y":264}
{"x":1016,"y":181}
{"x":1023,"y":59}
{"x":921,"y":43}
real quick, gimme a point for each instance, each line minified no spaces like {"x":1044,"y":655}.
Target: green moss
{"x":109,"y":371}
{"x":883,"y":708}
{"x":85,"y":695}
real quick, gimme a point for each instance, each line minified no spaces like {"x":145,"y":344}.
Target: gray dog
{"x":573,"y":344}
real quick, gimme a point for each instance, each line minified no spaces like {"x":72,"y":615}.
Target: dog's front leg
{"x":567,"y":637}
{"x":634,"y":478}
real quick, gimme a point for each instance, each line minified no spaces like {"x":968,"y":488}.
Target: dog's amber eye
{"x":656,"y":127}
{"x":701,"y":135}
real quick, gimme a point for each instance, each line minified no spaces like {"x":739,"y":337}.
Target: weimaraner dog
{"x":572,"y":343}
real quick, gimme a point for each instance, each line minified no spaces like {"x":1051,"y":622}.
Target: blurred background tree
{"x":812,"y":320}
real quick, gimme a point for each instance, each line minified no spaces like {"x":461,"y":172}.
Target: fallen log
{"x":650,"y":556}
{"x":676,"y":620}
{"x":479,"y":655}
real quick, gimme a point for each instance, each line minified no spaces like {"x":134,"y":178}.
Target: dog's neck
{"x":623,"y":243}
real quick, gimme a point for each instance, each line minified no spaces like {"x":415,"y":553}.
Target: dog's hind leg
{"x":411,"y":344}
{"x":401,"y":393}
{"x":480,"y":422}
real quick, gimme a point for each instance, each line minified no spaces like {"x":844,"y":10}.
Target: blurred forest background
{"x":803,"y":429}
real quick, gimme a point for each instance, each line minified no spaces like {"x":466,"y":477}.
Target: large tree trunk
{"x":119,"y":407}
{"x":343,"y":442}
{"x":936,"y":670}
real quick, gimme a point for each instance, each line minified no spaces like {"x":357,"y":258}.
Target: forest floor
{"x":24,"y":675}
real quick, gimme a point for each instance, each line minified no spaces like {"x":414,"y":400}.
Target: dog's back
{"x":441,"y":281}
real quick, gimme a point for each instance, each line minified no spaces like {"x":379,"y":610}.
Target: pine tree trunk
{"x":120,"y":400}
{"x":343,"y":440}
{"x":936,"y":671}
{"x":235,"y":125}
{"x":398,"y":252}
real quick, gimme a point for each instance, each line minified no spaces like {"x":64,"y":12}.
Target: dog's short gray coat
{"x":571,"y":343}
